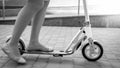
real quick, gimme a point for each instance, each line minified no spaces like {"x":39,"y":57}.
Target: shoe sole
{"x":11,"y":58}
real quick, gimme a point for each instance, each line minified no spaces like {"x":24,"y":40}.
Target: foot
{"x":13,"y":53}
{"x":38,"y":47}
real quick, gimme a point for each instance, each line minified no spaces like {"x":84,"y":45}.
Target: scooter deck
{"x":55,"y":52}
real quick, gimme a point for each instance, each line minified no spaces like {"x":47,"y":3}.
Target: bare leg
{"x":36,"y":26}
{"x":24,"y":17}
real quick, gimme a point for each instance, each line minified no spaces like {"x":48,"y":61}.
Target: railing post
{"x":78,"y":7}
{"x":3,"y":9}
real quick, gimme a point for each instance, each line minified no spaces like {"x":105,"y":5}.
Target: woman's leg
{"x":36,"y":26}
{"x":24,"y":17}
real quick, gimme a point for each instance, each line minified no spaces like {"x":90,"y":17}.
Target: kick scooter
{"x":83,"y":40}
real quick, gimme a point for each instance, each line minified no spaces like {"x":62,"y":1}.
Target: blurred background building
{"x":103,"y":12}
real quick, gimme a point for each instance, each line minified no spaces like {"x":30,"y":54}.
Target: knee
{"x":36,"y":4}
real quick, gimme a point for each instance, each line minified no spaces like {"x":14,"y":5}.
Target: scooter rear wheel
{"x":96,"y":53}
{"x":21,"y":45}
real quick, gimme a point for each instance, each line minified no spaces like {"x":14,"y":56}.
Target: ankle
{"x":12,"y":44}
{"x":33,"y":41}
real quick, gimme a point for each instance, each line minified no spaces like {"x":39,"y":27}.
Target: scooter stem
{"x":86,"y":11}
{"x":87,"y":20}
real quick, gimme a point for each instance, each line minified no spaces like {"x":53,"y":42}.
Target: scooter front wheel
{"x":21,"y":44}
{"x":94,"y":54}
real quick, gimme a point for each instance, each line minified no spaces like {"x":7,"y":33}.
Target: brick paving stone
{"x":118,"y":56}
{"x":79,"y":61}
{"x":10,"y":64}
{"x":104,"y":58}
{"x":41,"y":62}
{"x":115,"y":63}
{"x":66,"y":63}
{"x":111,"y":56}
{"x":3,"y":61}
{"x":103,"y":64}
{"x":54,"y":62}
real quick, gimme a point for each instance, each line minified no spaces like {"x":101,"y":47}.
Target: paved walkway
{"x":58,"y":38}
